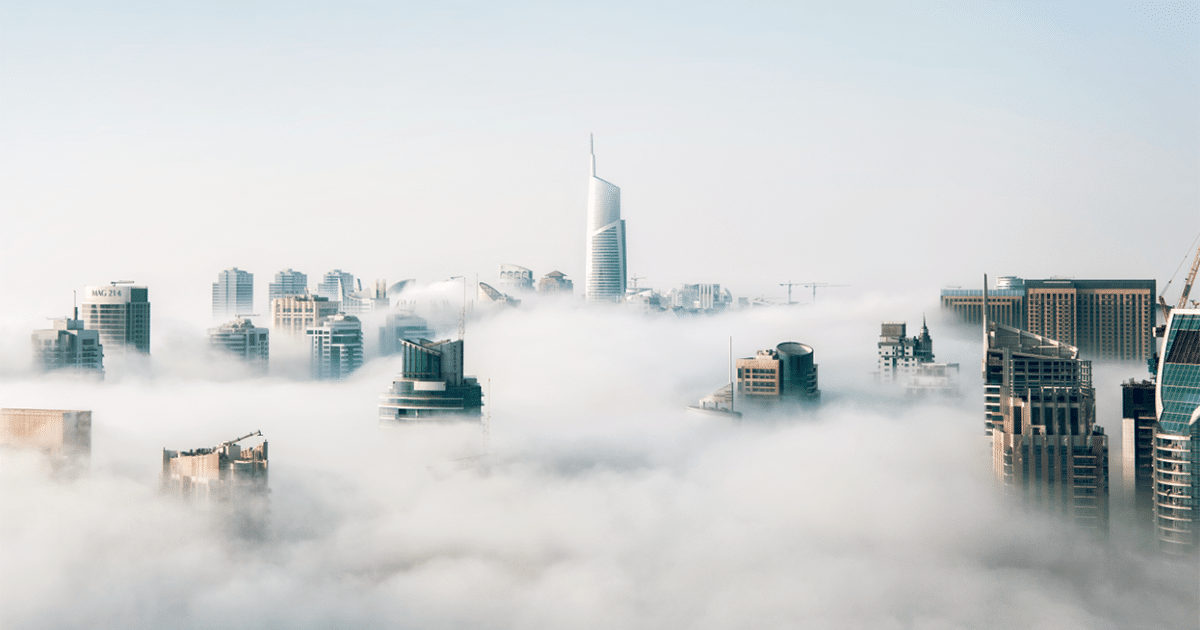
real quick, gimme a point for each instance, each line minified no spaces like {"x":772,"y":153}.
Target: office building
{"x":244,"y":340}
{"x":932,"y":380}
{"x":1106,"y":319}
{"x":67,"y":346}
{"x":555,"y":283}
{"x":287,"y":282}
{"x":784,"y":374}
{"x":336,"y":347}
{"x":223,"y":474}
{"x":1138,"y":416}
{"x":899,"y":355}
{"x":64,"y":435}
{"x":605,"y":275}
{"x":698,"y":299}
{"x":1177,"y":436}
{"x":295,"y":314}
{"x":121,"y":314}
{"x":233,"y":293}
{"x":514,"y":279}
{"x":1040,"y":410}
{"x":336,"y":285}
{"x":402,"y":325}
{"x":431,"y":385}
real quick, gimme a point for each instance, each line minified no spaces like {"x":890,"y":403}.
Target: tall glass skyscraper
{"x":604,"y":280}
{"x":1177,"y":436}
{"x":233,"y":293}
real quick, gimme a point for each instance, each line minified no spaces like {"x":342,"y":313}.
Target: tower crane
{"x":814,"y":286}
{"x":1187,"y":288}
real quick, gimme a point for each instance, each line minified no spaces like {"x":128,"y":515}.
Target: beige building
{"x":295,"y":314}
{"x":222,"y":474}
{"x":1005,"y":306}
{"x":785,"y":373}
{"x":65,"y":434}
{"x":1105,"y":319}
{"x":1041,"y":414}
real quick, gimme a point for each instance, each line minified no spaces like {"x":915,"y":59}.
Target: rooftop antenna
{"x":75,"y":303}
{"x":487,"y":422}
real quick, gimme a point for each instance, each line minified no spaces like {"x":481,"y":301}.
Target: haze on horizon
{"x":891,"y":149}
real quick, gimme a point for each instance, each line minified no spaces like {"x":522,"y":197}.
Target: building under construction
{"x":225,"y":473}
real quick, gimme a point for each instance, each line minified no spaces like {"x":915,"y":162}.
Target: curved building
{"x":431,"y":385}
{"x":604,"y":279}
{"x":1177,"y":436}
{"x":786,"y":373}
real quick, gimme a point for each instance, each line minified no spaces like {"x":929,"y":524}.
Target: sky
{"x":892,"y":149}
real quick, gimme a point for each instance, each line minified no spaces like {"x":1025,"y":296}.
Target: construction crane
{"x":116,"y":282}
{"x":634,"y":280}
{"x":789,"y":284}
{"x":814,"y":286}
{"x":249,"y":435}
{"x":1187,"y":287}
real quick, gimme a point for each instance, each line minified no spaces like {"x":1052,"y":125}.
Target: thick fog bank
{"x":604,"y":504}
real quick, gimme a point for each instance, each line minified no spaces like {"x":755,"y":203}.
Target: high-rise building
{"x":121,"y":314}
{"x":336,"y":285}
{"x":515,"y":279}
{"x":244,"y":340}
{"x":899,"y":355}
{"x":225,"y":473}
{"x":287,"y":282}
{"x":431,"y":385}
{"x":337,"y":347}
{"x":67,"y":346}
{"x":401,"y":325}
{"x":555,"y":282}
{"x":233,"y":293}
{"x":784,"y":374}
{"x":294,"y":314}
{"x":66,"y":436}
{"x":1041,"y":414}
{"x":1177,"y":436}
{"x":1138,"y":416}
{"x":1105,"y":319}
{"x":604,"y":277}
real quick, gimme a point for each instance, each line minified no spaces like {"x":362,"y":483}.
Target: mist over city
{"x":709,"y":183}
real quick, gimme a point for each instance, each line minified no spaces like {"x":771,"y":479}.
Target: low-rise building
{"x":555,"y":283}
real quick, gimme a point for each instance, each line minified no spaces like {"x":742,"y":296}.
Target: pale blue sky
{"x":861,"y":142}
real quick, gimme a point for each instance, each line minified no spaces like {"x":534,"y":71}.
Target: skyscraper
{"x":121,"y":314}
{"x":287,"y":282}
{"x":1177,"y":436}
{"x":336,"y":285}
{"x":604,"y":280}
{"x":1138,"y":416}
{"x":337,"y":347}
{"x":244,"y":340}
{"x":1041,"y":413}
{"x":786,"y":373}
{"x":294,"y":314}
{"x":431,"y":384}
{"x":233,"y":293}
{"x":68,"y":346}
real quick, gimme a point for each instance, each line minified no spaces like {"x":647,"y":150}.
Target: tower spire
{"x":592,"y":148}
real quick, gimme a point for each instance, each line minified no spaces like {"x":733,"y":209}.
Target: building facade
{"x":68,"y":346}
{"x":295,"y":314}
{"x":226,"y":473}
{"x":336,"y":347}
{"x":786,"y":373}
{"x":900,"y":355}
{"x":233,"y":293}
{"x":65,"y":435}
{"x":1041,"y":414}
{"x":1106,"y":319}
{"x":244,"y":340}
{"x":431,"y":386}
{"x":605,"y":272}
{"x":555,"y":283}
{"x":403,"y":325}
{"x":1138,"y":416}
{"x":336,"y":285}
{"x":698,"y":299}
{"x":121,"y":314}
{"x":287,"y":282}
{"x":515,"y":279}
{"x":1177,"y":437}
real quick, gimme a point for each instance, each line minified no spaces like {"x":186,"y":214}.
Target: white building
{"x":121,"y":314}
{"x":514,"y":279}
{"x":287,"y":282}
{"x":67,"y":346}
{"x":244,"y":340}
{"x":900,"y":356}
{"x":605,"y":275}
{"x":336,"y":347}
{"x":233,"y":293}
